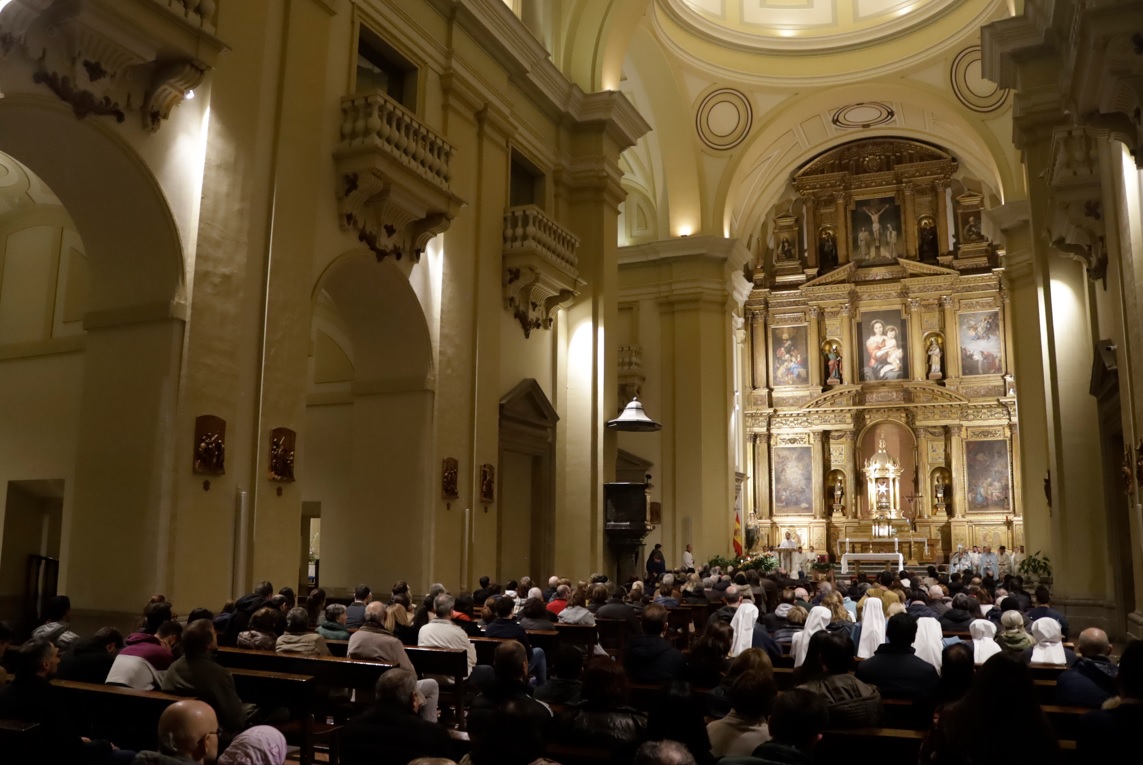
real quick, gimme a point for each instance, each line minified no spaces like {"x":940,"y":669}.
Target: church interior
{"x":353,"y":289}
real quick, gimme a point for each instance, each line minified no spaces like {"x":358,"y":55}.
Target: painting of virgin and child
{"x":886,"y":342}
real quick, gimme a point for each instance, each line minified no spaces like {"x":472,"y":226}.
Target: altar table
{"x":859,"y":558}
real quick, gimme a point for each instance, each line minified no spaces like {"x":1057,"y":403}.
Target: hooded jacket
{"x":147,"y":646}
{"x":955,"y":620}
{"x":1088,"y":683}
{"x":852,"y":703}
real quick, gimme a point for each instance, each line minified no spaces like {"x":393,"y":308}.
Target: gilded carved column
{"x":918,"y":357}
{"x":909,"y":224}
{"x":758,"y":351}
{"x":811,"y":236}
{"x":763,"y":508}
{"x":814,"y":340}
{"x":952,"y":360}
{"x":843,"y":239}
{"x":820,"y":459}
{"x":850,"y":351}
{"x":956,"y":462}
{"x":943,"y":223}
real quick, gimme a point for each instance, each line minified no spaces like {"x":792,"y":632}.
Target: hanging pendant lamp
{"x":633,"y":419}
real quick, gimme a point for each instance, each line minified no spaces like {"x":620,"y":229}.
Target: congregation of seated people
{"x":737,"y":667}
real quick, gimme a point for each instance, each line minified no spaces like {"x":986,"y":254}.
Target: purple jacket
{"x":148,"y":647}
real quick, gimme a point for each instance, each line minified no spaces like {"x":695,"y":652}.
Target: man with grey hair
{"x":393,"y":729}
{"x":188,"y":732}
{"x":1091,"y":680}
{"x":664,"y":752}
{"x":559,"y":601}
{"x":937,"y":601}
{"x":375,"y":643}
{"x":441,"y":632}
{"x":731,"y":598}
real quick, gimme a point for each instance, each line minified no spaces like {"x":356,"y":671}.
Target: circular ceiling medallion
{"x":863,"y":115}
{"x":969,"y":85}
{"x":723,"y":119}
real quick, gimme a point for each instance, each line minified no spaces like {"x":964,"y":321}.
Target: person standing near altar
{"x":1004,"y":565}
{"x":960,"y":562}
{"x":688,"y":560}
{"x":974,"y":556}
{"x":988,"y":562}
{"x":786,"y":553}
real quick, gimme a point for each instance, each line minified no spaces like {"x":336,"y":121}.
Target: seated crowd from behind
{"x":932,"y":640}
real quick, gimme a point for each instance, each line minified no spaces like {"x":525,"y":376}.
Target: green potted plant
{"x":822,"y":570}
{"x":1036,"y":567}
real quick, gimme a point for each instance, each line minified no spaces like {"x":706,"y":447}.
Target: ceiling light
{"x":633,"y":419}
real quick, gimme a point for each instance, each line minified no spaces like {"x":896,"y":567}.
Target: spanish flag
{"x":737,"y":531}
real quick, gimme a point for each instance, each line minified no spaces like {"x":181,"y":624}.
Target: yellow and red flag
{"x":737,"y":531}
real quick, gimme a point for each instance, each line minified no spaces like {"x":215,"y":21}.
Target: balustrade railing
{"x":376,"y":119}
{"x":527,"y":227}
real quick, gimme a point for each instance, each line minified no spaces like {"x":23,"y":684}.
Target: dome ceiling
{"x":807,"y":25}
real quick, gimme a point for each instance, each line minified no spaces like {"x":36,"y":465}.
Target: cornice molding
{"x":529,"y":66}
{"x":681,"y":248}
{"x":1008,"y":42}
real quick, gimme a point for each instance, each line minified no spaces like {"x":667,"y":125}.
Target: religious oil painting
{"x":793,"y":479}
{"x":979,"y":336}
{"x":885,"y":353}
{"x":791,"y":356}
{"x":989,"y":483}
{"x":875,"y":225}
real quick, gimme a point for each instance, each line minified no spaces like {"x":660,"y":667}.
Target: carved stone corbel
{"x":104,"y":62}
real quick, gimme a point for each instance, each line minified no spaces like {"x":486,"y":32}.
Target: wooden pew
{"x":613,"y":635}
{"x":339,"y":648}
{"x":450,"y":663}
{"x":679,"y":620}
{"x":328,"y":671}
{"x":19,"y":740}
{"x":581,"y":636}
{"x":892,"y":745}
{"x":548,"y":640}
{"x":127,"y":717}
{"x":486,"y":648}
{"x":1065,"y":721}
{"x":297,"y":692}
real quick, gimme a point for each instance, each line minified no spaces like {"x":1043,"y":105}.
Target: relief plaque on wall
{"x":978,"y":333}
{"x":793,"y":480}
{"x":487,"y":484}
{"x":790,"y":360}
{"x":209,"y":445}
{"x":885,"y":342}
{"x":450,"y":470}
{"x":987,"y":476}
{"x":875,"y":225}
{"x":282,"y":455}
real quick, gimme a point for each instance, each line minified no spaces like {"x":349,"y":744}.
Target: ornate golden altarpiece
{"x":880,"y":318}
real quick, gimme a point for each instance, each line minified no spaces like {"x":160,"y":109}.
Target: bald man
{"x":188,"y":732}
{"x":1091,"y":680}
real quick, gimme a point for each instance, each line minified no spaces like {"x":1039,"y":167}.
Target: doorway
{"x":525,"y":532}
{"x":33,"y":520}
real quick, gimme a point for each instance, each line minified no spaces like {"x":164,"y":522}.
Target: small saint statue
{"x":934,"y":351}
{"x":939,"y":489}
{"x":833,"y":360}
{"x":785,"y":249}
{"x":838,"y":491}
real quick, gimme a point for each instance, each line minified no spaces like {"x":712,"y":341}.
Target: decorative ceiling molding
{"x":969,"y":85}
{"x":809,"y":27}
{"x":863,"y":115}
{"x":724,"y":118}
{"x":110,"y":57}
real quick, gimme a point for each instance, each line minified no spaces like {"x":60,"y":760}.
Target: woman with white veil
{"x":1049,"y":647}
{"x":872,"y":628}
{"x":929,"y":643}
{"x":743,"y":622}
{"x":984,"y":644}
{"x":817,"y":621}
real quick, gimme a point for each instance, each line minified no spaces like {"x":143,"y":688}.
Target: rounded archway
{"x":128,"y":309}
{"x":368,"y":439}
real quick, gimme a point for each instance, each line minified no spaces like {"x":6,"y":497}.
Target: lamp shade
{"x":633,"y":419}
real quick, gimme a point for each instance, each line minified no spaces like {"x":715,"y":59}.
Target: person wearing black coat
{"x":650,"y":657}
{"x":243,"y":610}
{"x":894,"y":668}
{"x":957,"y":618}
{"x":391,"y":732}
{"x":90,"y":659}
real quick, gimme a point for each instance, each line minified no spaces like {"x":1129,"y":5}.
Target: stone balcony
{"x":630,"y":369}
{"x":541,"y":271}
{"x":394,"y":177}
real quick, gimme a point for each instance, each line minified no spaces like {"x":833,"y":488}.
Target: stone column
{"x":956,"y":467}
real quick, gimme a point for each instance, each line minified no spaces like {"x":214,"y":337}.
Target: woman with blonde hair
{"x":1013,"y":638}
{"x":840,"y":618}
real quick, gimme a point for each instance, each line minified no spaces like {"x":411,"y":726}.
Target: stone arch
{"x":368,"y":437}
{"x":134,"y":325}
